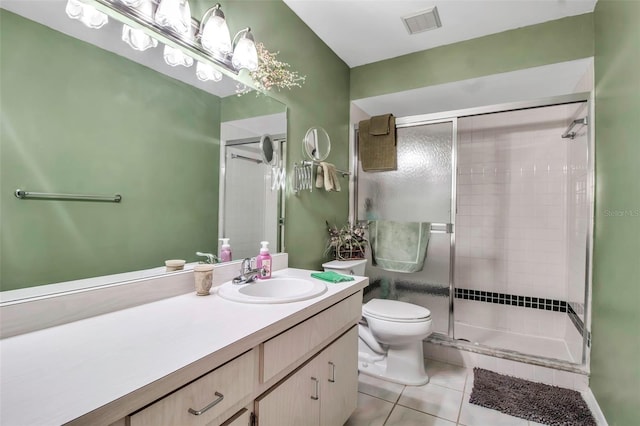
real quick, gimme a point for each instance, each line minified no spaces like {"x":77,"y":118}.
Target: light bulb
{"x":137,"y":38}
{"x":215,"y":36}
{"x":174,"y":14}
{"x":245,"y":54}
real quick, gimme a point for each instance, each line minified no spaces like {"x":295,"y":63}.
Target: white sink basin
{"x":273,"y":290}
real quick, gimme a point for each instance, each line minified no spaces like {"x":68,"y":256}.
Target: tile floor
{"x":444,"y":401}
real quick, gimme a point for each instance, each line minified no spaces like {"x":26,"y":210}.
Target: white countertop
{"x":56,"y":375}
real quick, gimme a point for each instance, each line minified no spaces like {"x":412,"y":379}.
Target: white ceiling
{"x":365,"y":31}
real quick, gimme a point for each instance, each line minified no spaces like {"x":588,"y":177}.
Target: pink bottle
{"x":225,"y":250}
{"x":263,"y":261}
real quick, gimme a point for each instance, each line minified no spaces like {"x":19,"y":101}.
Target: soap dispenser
{"x":263,"y":261}
{"x":225,"y":250}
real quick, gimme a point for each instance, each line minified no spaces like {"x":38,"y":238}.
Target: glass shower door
{"x":420,"y":190}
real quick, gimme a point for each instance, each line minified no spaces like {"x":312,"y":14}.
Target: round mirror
{"x":268,"y":150}
{"x":316,"y":144}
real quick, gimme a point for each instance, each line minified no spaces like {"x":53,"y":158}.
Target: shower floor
{"x":524,"y":343}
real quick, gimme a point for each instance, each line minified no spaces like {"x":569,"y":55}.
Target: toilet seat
{"x":395,"y":311}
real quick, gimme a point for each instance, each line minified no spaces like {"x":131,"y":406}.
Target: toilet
{"x":390,"y":335}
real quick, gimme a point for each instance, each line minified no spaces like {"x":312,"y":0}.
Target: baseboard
{"x":593,"y":405}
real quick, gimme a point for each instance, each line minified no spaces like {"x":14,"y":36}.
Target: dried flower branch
{"x":272,"y":73}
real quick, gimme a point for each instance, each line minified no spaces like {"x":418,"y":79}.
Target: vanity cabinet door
{"x":339,"y":381}
{"x":294,"y":402}
{"x":322,"y":392}
{"x":210,"y":399}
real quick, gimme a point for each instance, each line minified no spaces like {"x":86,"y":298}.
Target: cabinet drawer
{"x":229,"y":384}
{"x":297,"y":342}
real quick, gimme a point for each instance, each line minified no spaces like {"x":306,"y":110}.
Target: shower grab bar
{"x":568,"y":134}
{"x":344,"y":173}
{"x":22,"y":194}
{"x":242,"y":157}
{"x":436,"y":228}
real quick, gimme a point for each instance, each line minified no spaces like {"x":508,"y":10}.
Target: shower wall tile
{"x":511,"y":231}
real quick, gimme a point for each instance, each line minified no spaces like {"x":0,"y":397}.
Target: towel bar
{"x":344,"y":173}
{"x":22,"y":194}
{"x":436,"y":228}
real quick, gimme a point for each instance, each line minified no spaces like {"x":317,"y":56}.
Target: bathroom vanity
{"x":191,"y":360}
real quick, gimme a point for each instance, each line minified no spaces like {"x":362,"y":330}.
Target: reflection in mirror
{"x":317,"y":144}
{"x":250,"y":209}
{"x":78,"y":116}
{"x":267,"y":149}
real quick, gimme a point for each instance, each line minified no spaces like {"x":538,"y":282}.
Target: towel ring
{"x":316,"y":144}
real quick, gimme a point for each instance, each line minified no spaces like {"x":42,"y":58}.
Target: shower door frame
{"x":453,"y":116}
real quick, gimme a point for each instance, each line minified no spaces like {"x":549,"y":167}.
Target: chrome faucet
{"x":247,"y":274}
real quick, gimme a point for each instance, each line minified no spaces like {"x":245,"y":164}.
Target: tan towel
{"x":331,"y":182}
{"x":377,"y":143}
{"x":380,"y":124}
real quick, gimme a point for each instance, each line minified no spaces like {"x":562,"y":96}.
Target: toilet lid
{"x":395,"y":310}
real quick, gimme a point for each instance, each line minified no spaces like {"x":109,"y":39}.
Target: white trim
{"x":593,"y":405}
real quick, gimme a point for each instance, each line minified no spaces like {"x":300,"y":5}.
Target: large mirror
{"x":83,"y":113}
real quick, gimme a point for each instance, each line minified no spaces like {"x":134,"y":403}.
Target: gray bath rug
{"x":549,"y":405}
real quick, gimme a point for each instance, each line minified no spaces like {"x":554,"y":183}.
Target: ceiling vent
{"x":422,"y":21}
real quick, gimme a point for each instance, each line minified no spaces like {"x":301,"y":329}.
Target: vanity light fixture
{"x":137,"y":38}
{"x":173,"y":25}
{"x":214,"y":32}
{"x":245,"y":54}
{"x":88,"y":15}
{"x":174,"y":14}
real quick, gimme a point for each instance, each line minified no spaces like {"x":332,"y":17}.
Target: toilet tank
{"x":347,"y":267}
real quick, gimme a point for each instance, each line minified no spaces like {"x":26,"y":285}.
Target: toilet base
{"x":402,"y":364}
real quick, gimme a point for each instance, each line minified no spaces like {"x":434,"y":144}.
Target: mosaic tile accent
{"x":511,"y":299}
{"x":527,"y":302}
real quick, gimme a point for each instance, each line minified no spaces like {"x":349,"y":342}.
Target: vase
{"x":203,"y":275}
{"x":344,"y":253}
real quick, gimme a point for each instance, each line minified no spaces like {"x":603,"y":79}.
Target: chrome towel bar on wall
{"x":22,"y":194}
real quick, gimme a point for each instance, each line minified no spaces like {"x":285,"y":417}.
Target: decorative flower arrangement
{"x":272,"y":73}
{"x":348,"y":242}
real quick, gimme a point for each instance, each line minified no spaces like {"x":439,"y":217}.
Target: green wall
{"x":551,"y":42}
{"x":615,"y":354}
{"x":78,"y":119}
{"x":322,"y":101}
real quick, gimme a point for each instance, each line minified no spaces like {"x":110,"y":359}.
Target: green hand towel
{"x":331,"y":276}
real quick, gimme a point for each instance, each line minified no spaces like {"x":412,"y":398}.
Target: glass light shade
{"x":245,"y":54}
{"x":215,"y":35}
{"x":86,"y":14}
{"x":137,"y":38}
{"x":174,"y":14}
{"x":206,"y":72}
{"x":175,"y":57}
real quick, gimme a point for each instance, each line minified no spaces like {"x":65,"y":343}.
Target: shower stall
{"x":250,"y":205}
{"x":508,"y":192}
